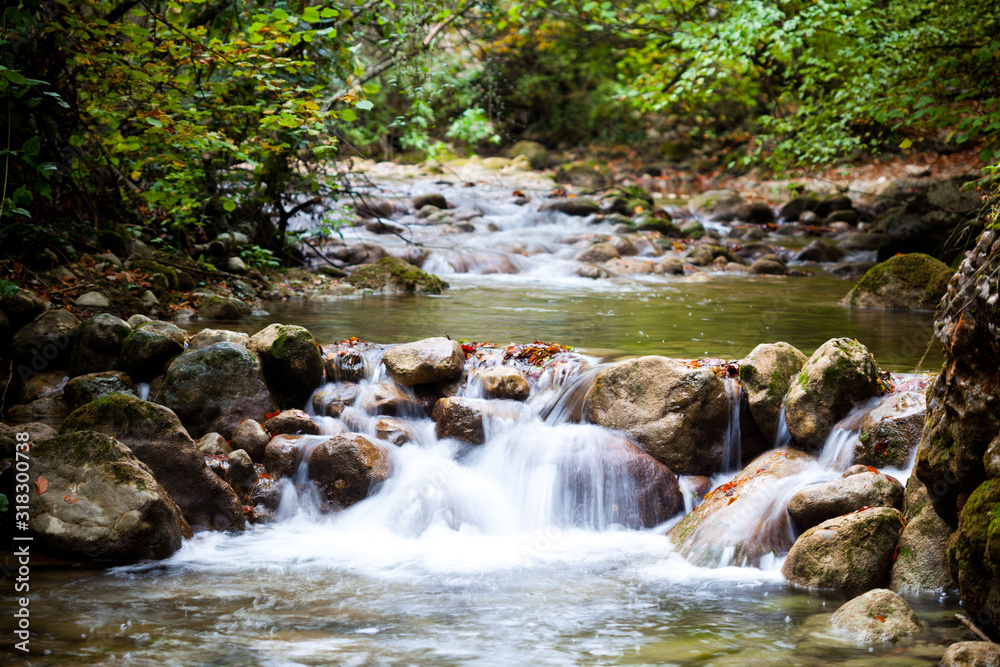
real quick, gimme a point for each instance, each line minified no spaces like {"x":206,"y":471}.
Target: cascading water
{"x":731,"y":449}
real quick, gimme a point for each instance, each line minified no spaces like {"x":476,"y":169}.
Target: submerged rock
{"x":677,"y":412}
{"x":424,"y":361}
{"x":766,"y":374}
{"x":744,"y":520}
{"x":100,"y":502}
{"x":903,"y":282}
{"x":214,"y":388}
{"x":922,"y":560}
{"x":816,"y":503}
{"x":156,"y":437}
{"x":851,"y":552}
{"x":838,"y":375}
{"x":347,"y":467}
{"x":891,"y":432}
{"x":876,"y":617}
{"x":332,"y":398}
{"x":292,"y":362}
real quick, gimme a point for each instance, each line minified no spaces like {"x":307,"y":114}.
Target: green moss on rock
{"x":905,"y":282}
{"x":391,"y":274}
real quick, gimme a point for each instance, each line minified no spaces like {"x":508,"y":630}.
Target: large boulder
{"x":347,"y":467}
{"x":766,"y":374}
{"x":429,"y":360}
{"x":393,"y":275}
{"x":99,"y":502}
{"x":459,"y":418}
{"x":98,"y":345}
{"x":818,"y":502}
{"x":922,"y":561}
{"x":963,"y":404}
{"x":876,"y":617}
{"x":156,"y":437}
{"x":292,"y":362}
{"x":214,"y":388}
{"x":149,"y":347}
{"x":891,"y":432}
{"x":742,"y":521}
{"x":838,"y":375}
{"x":678,"y":412}
{"x":974,"y":559}
{"x":85,"y":388}
{"x":851,"y":552}
{"x":45,"y":343}
{"x":903,"y":282}
{"x":972,"y":654}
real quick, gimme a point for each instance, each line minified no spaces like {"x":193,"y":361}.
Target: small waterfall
{"x":838,"y":450}
{"x":783,"y":438}
{"x":731,"y":448}
{"x":143,"y":389}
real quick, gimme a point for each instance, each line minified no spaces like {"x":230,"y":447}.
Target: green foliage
{"x":257,"y":256}
{"x":7,"y":289}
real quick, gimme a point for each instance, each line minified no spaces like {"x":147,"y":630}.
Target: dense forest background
{"x":176,"y":119}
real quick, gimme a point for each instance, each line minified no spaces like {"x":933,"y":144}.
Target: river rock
{"x":148,"y":348}
{"x":101,"y":503}
{"x":818,"y":502}
{"x":37,"y":432}
{"x":972,"y":654}
{"x":346,"y":362}
{"x":213,"y":444}
{"x":207,"y":337}
{"x":392,"y":430}
{"x":850,"y":552}
{"x":98,"y":345}
{"x":283,"y":454}
{"x":766,"y":374}
{"x":292,"y":362}
{"x":677,"y":412}
{"x":876,"y":617}
{"x":589,"y":174}
{"x":819,"y":252}
{"x":740,"y":522}
{"x":459,"y":418}
{"x":332,"y":398}
{"x":891,"y":432}
{"x":536,"y":153}
{"x":435,"y":199}
{"x":791,"y":211}
{"x":367,"y":207}
{"x":214,"y":388}
{"x":922,"y":561}
{"x":85,"y":388}
{"x":903,"y":282}
{"x":295,"y":422}
{"x":223,"y":308}
{"x":347,"y":467}
{"x":156,"y":437}
{"x":396,"y":401}
{"x":392,"y":275}
{"x":972,"y":556}
{"x":429,"y":360}
{"x":22,"y":307}
{"x":505,"y":382}
{"x":48,"y":409}
{"x":599,"y":252}
{"x":839,"y":374}
{"x":720,"y":206}
{"x":768,"y":267}
{"x":578,"y":206}
{"x":45,"y":343}
{"x":252,"y":438}
{"x":241,"y":475}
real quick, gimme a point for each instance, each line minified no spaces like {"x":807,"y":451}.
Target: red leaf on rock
{"x":880,"y":619}
{"x":41,"y":484}
{"x":272,"y":414}
{"x":873,"y":469}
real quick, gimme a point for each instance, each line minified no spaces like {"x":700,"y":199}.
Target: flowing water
{"x":528,"y":549}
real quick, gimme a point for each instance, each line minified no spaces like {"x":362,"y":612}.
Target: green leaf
{"x":32,"y":146}
{"x":364,"y":105}
{"x":229,"y":205}
{"x":905,"y":143}
{"x":329,"y":13}
{"x":348,"y":115}
{"x":280,"y":14}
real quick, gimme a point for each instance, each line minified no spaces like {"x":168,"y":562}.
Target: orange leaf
{"x":41,"y":484}
{"x":880,"y":619}
{"x":66,"y":498}
{"x":873,"y":469}
{"x":272,"y":414}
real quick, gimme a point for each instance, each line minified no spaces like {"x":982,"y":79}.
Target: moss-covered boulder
{"x":818,"y":502}
{"x":149,"y":347}
{"x":904,"y":282}
{"x":720,"y":206}
{"x":838,"y":375}
{"x":922,"y":561}
{"x":766,"y":374}
{"x":393,"y":275}
{"x":292,"y":362}
{"x":99,"y":502}
{"x":536,"y":153}
{"x":98,"y":345}
{"x":434,"y":359}
{"x":348,"y":467}
{"x":876,"y":617}
{"x":974,"y":556}
{"x":678,"y":412}
{"x":460,"y":418}
{"x":735,"y":523}
{"x":85,"y":388}
{"x":891,"y":432}
{"x":214,"y":388}
{"x":166,"y":275}
{"x":44,"y":344}
{"x":589,"y":174}
{"x":849,"y":553}
{"x":157,"y":438}
{"x":223,"y":308}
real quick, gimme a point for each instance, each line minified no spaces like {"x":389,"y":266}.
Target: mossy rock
{"x":153,"y":268}
{"x":905,"y":282}
{"x":974,"y":556}
{"x":393,"y":275}
{"x":292,"y":362}
{"x":766,"y":374}
{"x":592,"y":174}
